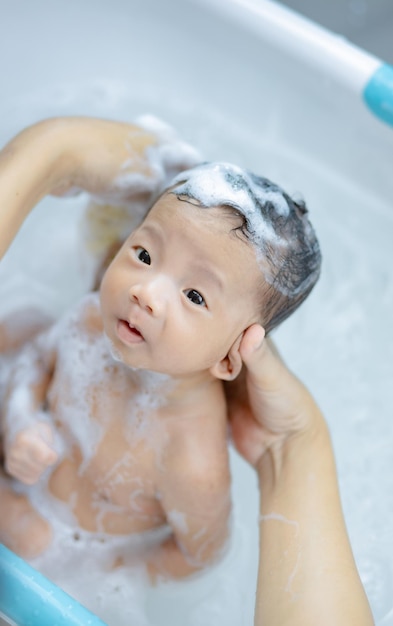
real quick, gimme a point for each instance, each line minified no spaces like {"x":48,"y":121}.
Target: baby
{"x":114,"y":418}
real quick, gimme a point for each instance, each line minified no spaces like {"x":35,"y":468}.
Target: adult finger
{"x":265,"y":368}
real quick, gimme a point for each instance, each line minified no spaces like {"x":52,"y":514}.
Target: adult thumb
{"x":252,"y":341}
{"x":261,"y":358}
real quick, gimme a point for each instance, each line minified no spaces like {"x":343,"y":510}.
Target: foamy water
{"x":340,"y":343}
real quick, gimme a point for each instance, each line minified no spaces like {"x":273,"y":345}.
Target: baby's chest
{"x":90,"y":397}
{"x":123,"y":468}
{"x":117,"y":482}
{"x":85,"y":379}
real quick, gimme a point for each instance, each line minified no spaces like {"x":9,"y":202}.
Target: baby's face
{"x":181,"y":290}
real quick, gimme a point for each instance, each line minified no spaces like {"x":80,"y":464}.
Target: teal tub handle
{"x":30,"y":599}
{"x":378,"y":93}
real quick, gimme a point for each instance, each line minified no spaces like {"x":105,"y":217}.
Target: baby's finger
{"x":31,"y":452}
{"x":44,"y":457}
{"x":36,"y":445}
{"x":28,"y":477}
{"x":40,"y":454}
{"x":45,"y":432}
{"x":22,"y":472}
{"x":26,"y":470}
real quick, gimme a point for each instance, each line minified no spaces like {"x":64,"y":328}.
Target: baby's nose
{"x":150,"y":296}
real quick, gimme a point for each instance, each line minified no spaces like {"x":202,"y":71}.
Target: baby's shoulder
{"x":199,"y":450}
{"x":200,"y":469}
{"x":78,"y":327}
{"x":90,"y":313}
{"x":85,"y":315}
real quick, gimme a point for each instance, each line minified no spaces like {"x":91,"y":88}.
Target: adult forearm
{"x":30,"y":166}
{"x":59,"y":154}
{"x":307,"y":574}
{"x":117,"y":162}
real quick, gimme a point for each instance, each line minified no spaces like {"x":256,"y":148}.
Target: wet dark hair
{"x":292,"y":254}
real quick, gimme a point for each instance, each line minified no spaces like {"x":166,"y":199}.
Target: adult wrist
{"x":290,"y":454}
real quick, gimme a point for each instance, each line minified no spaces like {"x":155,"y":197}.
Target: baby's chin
{"x":113,"y":350}
{"x":133,"y":364}
{"x":165,"y":371}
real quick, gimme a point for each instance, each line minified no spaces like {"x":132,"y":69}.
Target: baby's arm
{"x":196,"y":499}
{"x":27,"y":434}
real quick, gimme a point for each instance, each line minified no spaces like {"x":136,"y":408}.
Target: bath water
{"x":340,"y":343}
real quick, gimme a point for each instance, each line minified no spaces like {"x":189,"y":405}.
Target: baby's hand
{"x":30,"y":453}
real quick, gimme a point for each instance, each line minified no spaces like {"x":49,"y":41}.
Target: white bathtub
{"x":250,"y":82}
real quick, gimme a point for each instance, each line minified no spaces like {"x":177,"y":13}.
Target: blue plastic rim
{"x":378,"y":93}
{"x":30,"y":599}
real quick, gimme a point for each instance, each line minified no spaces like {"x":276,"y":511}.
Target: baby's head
{"x":278,"y":227}
{"x":220,"y":250}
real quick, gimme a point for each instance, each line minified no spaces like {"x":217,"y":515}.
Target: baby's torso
{"x":116,"y":433}
{"x":113,"y":489}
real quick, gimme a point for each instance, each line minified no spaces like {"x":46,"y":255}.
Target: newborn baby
{"x":114,"y":417}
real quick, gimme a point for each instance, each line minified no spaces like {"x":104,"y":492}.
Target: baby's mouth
{"x":129,"y":334}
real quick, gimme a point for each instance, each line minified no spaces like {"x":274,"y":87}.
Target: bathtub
{"x":252,"y":82}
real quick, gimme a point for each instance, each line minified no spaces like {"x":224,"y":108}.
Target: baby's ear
{"x":229,"y":367}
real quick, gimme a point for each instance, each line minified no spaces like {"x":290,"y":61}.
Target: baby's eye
{"x":195,"y":297}
{"x":143,"y":255}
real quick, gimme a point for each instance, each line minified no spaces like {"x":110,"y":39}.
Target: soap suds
{"x":276,"y":226}
{"x":279,"y":518}
{"x":159,"y":164}
{"x":219,"y":184}
{"x":178,"y":521}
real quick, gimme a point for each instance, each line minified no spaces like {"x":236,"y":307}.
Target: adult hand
{"x":267,"y":404}
{"x":116,"y":161}
{"x":98,"y":154}
{"x":307,"y":573}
